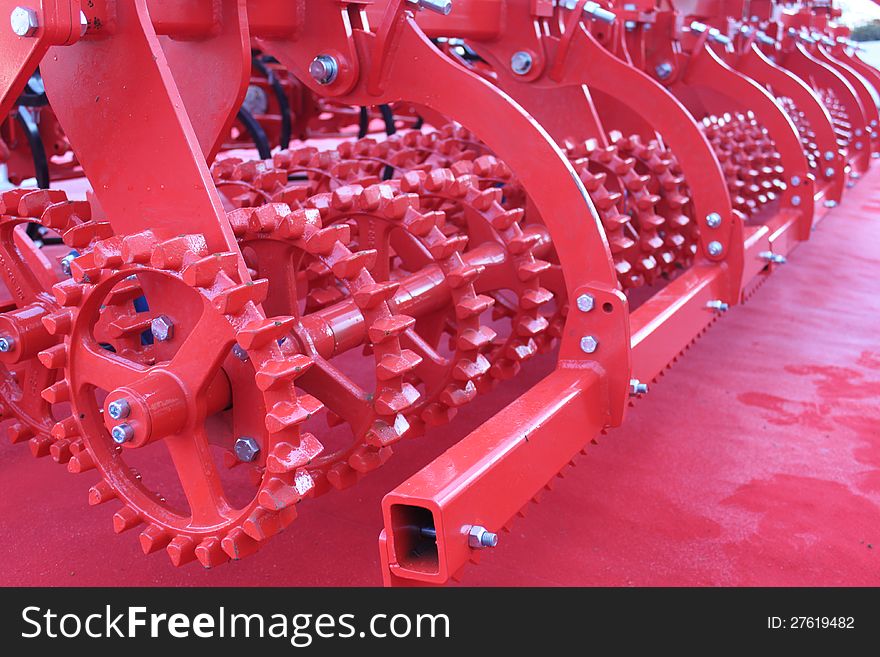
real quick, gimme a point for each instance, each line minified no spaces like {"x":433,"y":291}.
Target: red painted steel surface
{"x":773,"y":479}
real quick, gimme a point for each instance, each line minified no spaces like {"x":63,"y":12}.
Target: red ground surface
{"x":754,"y":461}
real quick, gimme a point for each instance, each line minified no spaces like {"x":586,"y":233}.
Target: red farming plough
{"x":442,"y":189}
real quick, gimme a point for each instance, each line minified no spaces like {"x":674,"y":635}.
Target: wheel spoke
{"x":198,"y":477}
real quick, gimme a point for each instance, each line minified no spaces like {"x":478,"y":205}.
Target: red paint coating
{"x":754,"y":461}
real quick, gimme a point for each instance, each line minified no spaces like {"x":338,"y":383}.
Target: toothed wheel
{"x":679,"y":232}
{"x":627,"y":211}
{"x":156,"y":416}
{"x":748,"y":159}
{"x":29,"y":273}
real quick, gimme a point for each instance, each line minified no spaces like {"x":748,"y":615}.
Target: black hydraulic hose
{"x":259,"y":63}
{"x":38,"y":150}
{"x":258,"y":135}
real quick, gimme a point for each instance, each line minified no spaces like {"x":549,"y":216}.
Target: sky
{"x":856,"y":12}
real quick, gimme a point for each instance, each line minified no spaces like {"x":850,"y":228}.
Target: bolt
{"x":830,"y":204}
{"x":67,"y":260}
{"x":589,"y":344}
{"x":637,"y":388}
{"x":629,"y":26}
{"x":795,"y":181}
{"x":521,"y":62}
{"x":7,"y":344}
{"x":775,"y":258}
{"x":479,"y":537}
{"x":858,"y":132}
{"x":162,"y":328}
{"x":119,"y":409}
{"x":663,"y":70}
{"x":795,"y":201}
{"x":829,"y":172}
{"x":585,"y":302}
{"x":713,"y":220}
{"x":873,"y":123}
{"x":828,"y":156}
{"x":324,"y":69}
{"x":246,"y":449}
{"x":715,"y":248}
{"x":599,"y":13}
{"x":437,"y":6}
{"x":122,"y":433}
{"x":717,"y":304}
{"x":858,"y":145}
{"x":239,"y":352}
{"x":24,"y":21}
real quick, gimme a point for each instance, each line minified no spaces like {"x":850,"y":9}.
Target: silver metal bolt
{"x":593,"y":10}
{"x":162,"y":328}
{"x":715,"y":248}
{"x":795,"y":201}
{"x":713,"y":220}
{"x":246,"y":449}
{"x":479,"y":537}
{"x":589,"y":344}
{"x":828,"y":156}
{"x":67,"y":260}
{"x":119,"y":409}
{"x":7,"y":344}
{"x":24,"y":21}
{"x":629,"y":26}
{"x":442,"y":7}
{"x":829,"y":172}
{"x":795,"y":181}
{"x":858,"y":132}
{"x":830,"y":204}
{"x":122,"y":433}
{"x":585,"y":302}
{"x":239,"y":352}
{"x":663,"y":70}
{"x":873,"y":123}
{"x":775,"y":258}
{"x":717,"y":304}
{"x":521,"y":62}
{"x":858,"y":145}
{"x":324,"y":69}
{"x":637,"y":388}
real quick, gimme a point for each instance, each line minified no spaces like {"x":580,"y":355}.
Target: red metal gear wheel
{"x":29,"y":274}
{"x":680,"y":232}
{"x":222,"y":373}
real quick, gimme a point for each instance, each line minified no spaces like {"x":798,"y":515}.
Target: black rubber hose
{"x":363,"y":122}
{"x":259,"y":63}
{"x":258,"y":135}
{"x":38,"y":151}
{"x":388,"y":117}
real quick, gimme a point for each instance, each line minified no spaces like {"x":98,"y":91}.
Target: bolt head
{"x":795,"y":201}
{"x":119,"y":409}
{"x":858,"y":145}
{"x":255,"y":100}
{"x":637,"y":388}
{"x":324,"y":69}
{"x":713,"y":220}
{"x":829,"y":172}
{"x":795,"y":181}
{"x":585,"y":302}
{"x":715,"y":248}
{"x":246,"y":449}
{"x":239,"y":352}
{"x":122,"y":433}
{"x":828,"y":156}
{"x":24,"y":21}
{"x":589,"y":344}
{"x":521,"y":62}
{"x":162,"y":328}
{"x":663,"y":70}
{"x":830,"y":204}
{"x":7,"y":344}
{"x":479,"y":537}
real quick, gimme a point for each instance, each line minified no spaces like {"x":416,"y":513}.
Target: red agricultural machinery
{"x":442,"y":189}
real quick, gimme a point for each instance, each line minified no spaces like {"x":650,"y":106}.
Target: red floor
{"x":754,"y":461}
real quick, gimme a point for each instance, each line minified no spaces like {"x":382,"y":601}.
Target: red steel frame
{"x":191,"y":67}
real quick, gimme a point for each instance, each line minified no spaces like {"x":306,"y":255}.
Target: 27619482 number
{"x":811,"y":623}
